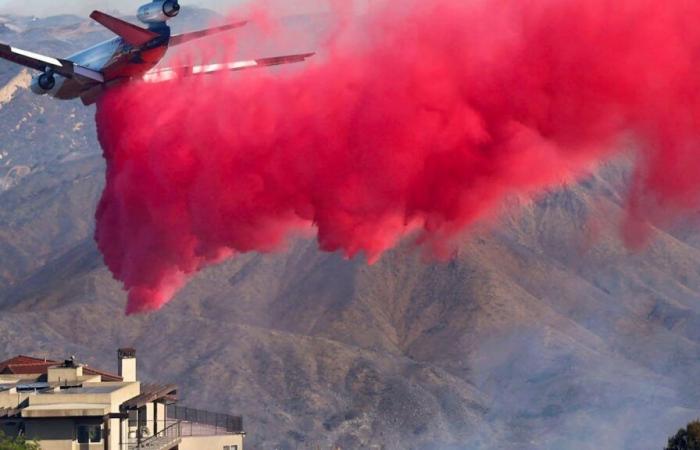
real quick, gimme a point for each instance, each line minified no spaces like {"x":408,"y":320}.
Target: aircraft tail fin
{"x":131,"y":33}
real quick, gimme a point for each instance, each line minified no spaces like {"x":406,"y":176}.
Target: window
{"x":89,"y":433}
{"x":133,"y":418}
{"x":230,"y":447}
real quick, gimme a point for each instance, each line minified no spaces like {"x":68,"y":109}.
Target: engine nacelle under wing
{"x":158,"y":11}
{"x":41,"y":85}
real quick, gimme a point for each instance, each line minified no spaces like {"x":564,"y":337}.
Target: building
{"x":69,"y":406}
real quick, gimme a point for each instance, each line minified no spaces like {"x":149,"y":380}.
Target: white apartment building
{"x":69,"y":406}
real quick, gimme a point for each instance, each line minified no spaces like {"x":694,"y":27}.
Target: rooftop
{"x":26,"y":365}
{"x":88,"y":390}
{"x":67,"y":410}
{"x":150,"y":392}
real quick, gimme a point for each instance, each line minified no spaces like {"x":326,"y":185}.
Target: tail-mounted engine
{"x":158,"y":11}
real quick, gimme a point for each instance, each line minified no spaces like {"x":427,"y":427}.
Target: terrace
{"x":184,"y":422}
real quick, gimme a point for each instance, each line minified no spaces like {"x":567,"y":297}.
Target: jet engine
{"x":158,"y":11}
{"x":45,"y":83}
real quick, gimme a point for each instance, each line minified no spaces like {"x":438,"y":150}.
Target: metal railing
{"x":162,"y":438}
{"x":198,"y":422}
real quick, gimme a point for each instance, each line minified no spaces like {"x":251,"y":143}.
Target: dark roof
{"x":127,"y":352}
{"x":152,"y":392}
{"x":24,"y":365}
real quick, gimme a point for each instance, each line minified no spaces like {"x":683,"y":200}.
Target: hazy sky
{"x":50,"y":7}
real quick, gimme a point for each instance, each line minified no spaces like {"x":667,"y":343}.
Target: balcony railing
{"x":163,"y":439}
{"x":195,"y":422}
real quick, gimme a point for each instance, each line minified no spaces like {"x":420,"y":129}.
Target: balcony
{"x":166,"y":439}
{"x":183,"y":422}
{"x":195,"y":422}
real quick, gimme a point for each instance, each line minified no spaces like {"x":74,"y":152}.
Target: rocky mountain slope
{"x":544,"y":331}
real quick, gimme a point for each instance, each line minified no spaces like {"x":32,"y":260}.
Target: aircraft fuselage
{"x":115,"y":59}
{"x":131,"y":56}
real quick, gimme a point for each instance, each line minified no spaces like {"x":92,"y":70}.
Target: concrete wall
{"x":114,"y":432}
{"x":52,"y":434}
{"x":12,"y":399}
{"x":64,"y":374}
{"x":60,"y":434}
{"x":124,"y":436}
{"x":149,"y":420}
{"x":211,"y":442}
{"x":76,"y":446}
{"x":122,"y":392}
{"x":160,"y":415}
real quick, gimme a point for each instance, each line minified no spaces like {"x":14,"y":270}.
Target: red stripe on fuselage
{"x":134,"y":64}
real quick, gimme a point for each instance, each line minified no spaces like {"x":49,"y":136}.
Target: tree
{"x":687,"y":438}
{"x":18,"y":443}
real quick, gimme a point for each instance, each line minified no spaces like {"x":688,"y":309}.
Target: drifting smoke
{"x":422,"y":123}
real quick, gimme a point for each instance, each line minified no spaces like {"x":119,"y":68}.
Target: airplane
{"x":131,"y":56}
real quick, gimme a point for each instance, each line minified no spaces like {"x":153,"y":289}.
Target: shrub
{"x":687,"y":438}
{"x":18,"y":443}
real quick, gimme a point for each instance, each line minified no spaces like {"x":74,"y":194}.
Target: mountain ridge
{"x":544,"y":331}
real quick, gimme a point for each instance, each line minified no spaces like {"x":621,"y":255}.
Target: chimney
{"x":127,"y":364}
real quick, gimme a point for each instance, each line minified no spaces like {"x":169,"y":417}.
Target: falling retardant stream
{"x":417,"y":120}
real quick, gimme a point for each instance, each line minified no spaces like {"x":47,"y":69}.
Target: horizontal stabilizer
{"x":171,"y":73}
{"x":187,"y":37}
{"x":131,"y":33}
{"x":43,"y":63}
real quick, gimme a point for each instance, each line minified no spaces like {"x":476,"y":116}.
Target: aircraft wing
{"x":187,"y":37}
{"x":171,"y":73}
{"x":43,"y":63}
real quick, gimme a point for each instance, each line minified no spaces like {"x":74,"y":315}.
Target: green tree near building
{"x":18,"y":443}
{"x":687,"y":438}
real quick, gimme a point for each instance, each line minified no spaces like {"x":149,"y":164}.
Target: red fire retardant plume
{"x":419,"y":120}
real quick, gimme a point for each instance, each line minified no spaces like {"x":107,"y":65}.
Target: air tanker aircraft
{"x":130,"y":56}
